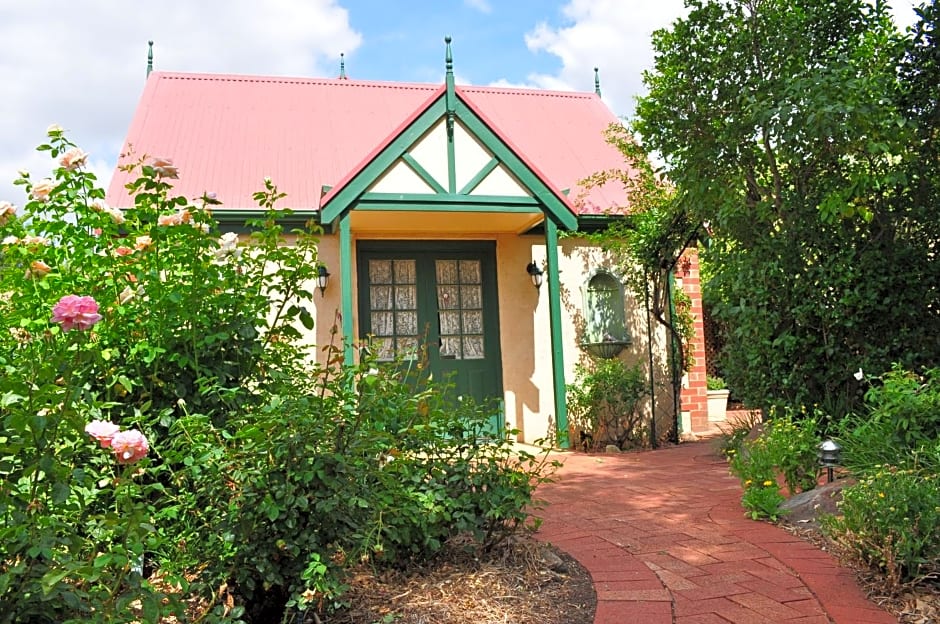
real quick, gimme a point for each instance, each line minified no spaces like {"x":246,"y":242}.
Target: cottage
{"x":444,"y":209}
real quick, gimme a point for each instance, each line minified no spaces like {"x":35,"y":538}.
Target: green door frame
{"x":424,"y":252}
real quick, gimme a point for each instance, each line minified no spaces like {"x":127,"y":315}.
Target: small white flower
{"x":859,"y":375}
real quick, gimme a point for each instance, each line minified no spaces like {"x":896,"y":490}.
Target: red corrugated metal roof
{"x":225,"y":133}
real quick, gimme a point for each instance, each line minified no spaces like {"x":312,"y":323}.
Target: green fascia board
{"x":353,"y":192}
{"x":598,"y":223}
{"x":446,"y":202}
{"x":236,"y":219}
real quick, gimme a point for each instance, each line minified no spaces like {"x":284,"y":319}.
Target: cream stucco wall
{"x":525,"y":337}
{"x":526,"y":343}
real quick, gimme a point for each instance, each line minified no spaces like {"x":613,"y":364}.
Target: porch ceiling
{"x":436,"y":223}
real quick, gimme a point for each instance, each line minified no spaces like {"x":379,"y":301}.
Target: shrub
{"x":604,"y":402}
{"x":793,"y":442}
{"x":891,"y":519}
{"x":243,"y":474}
{"x":763,"y":500}
{"x":902,"y":415}
{"x":786,"y":447}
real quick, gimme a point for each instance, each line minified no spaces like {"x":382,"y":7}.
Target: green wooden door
{"x":435,"y":302}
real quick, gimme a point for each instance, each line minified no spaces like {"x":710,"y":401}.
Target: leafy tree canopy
{"x":798,"y":129}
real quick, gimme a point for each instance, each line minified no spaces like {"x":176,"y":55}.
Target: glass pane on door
{"x":460,"y":305}
{"x":393,"y":308}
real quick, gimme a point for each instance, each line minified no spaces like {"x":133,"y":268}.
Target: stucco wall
{"x":527,"y":349}
{"x":525,"y":337}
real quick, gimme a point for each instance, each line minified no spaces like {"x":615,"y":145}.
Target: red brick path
{"x":664,"y":537}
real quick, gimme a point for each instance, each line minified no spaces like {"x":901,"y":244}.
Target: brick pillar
{"x":694,"y":390}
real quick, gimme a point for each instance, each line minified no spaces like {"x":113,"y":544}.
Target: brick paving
{"x":665,"y":539}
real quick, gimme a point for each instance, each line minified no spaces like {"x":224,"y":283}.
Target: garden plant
{"x":604,"y":401}
{"x":169,"y":445}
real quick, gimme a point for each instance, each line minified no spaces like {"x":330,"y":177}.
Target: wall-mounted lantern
{"x":535,"y":274}
{"x":323,"y":279}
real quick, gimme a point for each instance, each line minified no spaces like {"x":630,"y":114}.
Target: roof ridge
{"x":211,"y":77}
{"x":384,"y":84}
{"x":581,"y":95}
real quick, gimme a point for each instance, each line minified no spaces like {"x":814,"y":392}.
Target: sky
{"x":82,"y":65}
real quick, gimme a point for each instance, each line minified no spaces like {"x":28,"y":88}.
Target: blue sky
{"x":82,"y":64}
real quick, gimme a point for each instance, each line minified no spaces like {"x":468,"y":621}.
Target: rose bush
{"x":170,"y":448}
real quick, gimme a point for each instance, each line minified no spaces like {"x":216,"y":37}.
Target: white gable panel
{"x":500,"y":182}
{"x":400,"y":178}
{"x":469,"y":155}
{"x":430,"y":151}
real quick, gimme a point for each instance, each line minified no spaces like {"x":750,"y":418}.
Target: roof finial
{"x":597,"y":82}
{"x":149,"y":57}
{"x":450,"y":95}
{"x":342,"y":66}
{"x":448,"y":57}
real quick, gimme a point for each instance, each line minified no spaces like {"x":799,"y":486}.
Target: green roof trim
{"x":422,"y":173}
{"x":447,"y":202}
{"x":354,"y":195}
{"x":474,"y":182}
{"x":236,"y":219}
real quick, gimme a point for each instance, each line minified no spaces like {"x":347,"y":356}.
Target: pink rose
{"x":33,"y":241}
{"x":126,"y":295}
{"x":168,"y":220}
{"x":7,"y":210}
{"x":39,"y":269}
{"x":143,"y":242}
{"x":103,"y":431}
{"x":129,"y":446}
{"x":73,"y":311}
{"x":164,"y":168}
{"x":73,"y":159}
{"x":123,"y":250}
{"x":42,"y":189}
{"x":117,"y":216}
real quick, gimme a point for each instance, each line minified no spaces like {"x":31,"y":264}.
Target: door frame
{"x":485,"y":250}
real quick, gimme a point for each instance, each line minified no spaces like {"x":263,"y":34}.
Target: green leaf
{"x":51,"y":579}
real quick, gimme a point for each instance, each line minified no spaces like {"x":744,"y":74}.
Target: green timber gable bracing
{"x":455,"y":196}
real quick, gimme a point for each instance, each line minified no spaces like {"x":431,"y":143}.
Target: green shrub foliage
{"x":891,"y":519}
{"x":604,"y":402}
{"x":785,"y":447}
{"x":168,"y":447}
{"x":891,"y":516}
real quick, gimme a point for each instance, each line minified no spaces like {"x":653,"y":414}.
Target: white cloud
{"x":82,"y":65}
{"x":612,"y":35}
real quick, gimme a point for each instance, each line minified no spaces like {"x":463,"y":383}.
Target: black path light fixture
{"x":535,"y":274}
{"x":829,"y":454}
{"x":323,"y":279}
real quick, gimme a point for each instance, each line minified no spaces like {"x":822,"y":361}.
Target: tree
{"x":780,"y":123}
